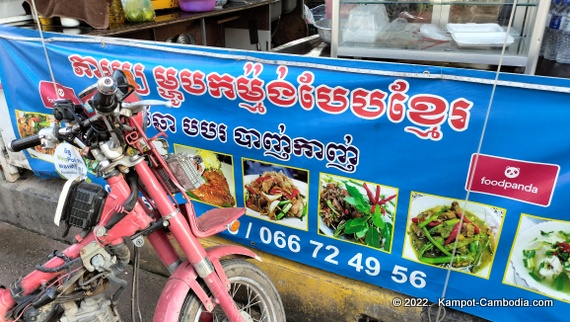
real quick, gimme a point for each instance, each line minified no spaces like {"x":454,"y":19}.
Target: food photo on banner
{"x":217,"y":169}
{"x":401,"y":176}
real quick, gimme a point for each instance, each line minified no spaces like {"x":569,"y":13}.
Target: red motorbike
{"x":214,"y":284}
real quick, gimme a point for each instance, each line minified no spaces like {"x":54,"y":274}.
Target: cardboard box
{"x":164,"y":4}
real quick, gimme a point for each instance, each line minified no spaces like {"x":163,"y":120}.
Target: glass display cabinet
{"x":490,"y":32}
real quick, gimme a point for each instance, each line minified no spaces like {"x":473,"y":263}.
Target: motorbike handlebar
{"x":104,"y":101}
{"x":49,"y":136}
{"x":31,"y":141}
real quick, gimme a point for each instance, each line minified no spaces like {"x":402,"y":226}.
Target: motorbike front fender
{"x":184,"y":279}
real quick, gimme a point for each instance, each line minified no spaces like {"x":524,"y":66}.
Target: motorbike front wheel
{"x":252,"y":290}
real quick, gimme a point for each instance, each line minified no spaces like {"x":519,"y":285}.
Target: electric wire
{"x":39,"y":25}
{"x":439,"y":316}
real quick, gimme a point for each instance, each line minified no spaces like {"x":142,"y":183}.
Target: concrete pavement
{"x":27,"y":235}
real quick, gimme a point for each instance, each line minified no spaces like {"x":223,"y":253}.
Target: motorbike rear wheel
{"x":251,"y":289}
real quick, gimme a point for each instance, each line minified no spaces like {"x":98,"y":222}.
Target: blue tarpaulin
{"x":364,"y":157}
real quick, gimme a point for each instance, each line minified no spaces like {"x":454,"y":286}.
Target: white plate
{"x":291,"y":222}
{"x":326,"y":229}
{"x":522,"y":242}
{"x":433,"y":32}
{"x":493,"y":39}
{"x":473,"y":27}
{"x":426,"y":202}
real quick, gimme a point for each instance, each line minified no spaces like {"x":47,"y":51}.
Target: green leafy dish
{"x":357,"y":211}
{"x":436,"y":231}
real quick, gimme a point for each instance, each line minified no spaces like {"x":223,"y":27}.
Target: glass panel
{"x":472,"y":32}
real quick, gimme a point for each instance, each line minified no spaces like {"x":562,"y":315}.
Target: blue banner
{"x":364,"y":169}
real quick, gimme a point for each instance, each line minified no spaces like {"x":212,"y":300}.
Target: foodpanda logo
{"x":50,"y":93}
{"x":525,"y":181}
{"x":511,"y":173}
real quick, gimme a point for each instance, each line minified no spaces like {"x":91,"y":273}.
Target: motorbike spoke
{"x":251,"y":296}
{"x":235,"y":289}
{"x":248,"y":301}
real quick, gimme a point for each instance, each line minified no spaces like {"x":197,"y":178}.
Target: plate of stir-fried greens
{"x":442,"y":233}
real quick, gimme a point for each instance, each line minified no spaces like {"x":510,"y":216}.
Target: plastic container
{"x":365,"y":23}
{"x":69,"y":22}
{"x":473,"y":27}
{"x":197,"y":5}
{"x":563,"y":55}
{"x":547,"y":37}
{"x":318,"y":13}
{"x":485,"y":39}
{"x":555,"y":30}
{"x":164,"y":4}
{"x":324,"y":28}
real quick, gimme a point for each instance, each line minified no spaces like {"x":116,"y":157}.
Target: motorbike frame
{"x":185,"y":227}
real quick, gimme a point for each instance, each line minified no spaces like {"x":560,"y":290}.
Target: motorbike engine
{"x":84,"y":295}
{"x":89,"y":310}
